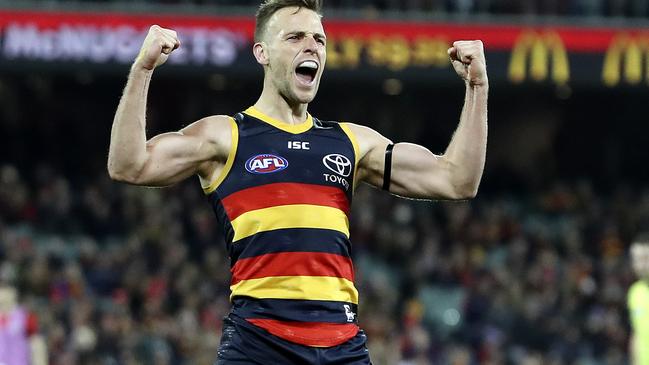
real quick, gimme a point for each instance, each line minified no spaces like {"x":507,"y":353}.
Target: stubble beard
{"x":288,"y":90}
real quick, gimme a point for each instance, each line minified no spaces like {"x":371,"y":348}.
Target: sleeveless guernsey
{"x":283,"y":201}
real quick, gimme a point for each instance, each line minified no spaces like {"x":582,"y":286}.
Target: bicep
{"x":415,"y":171}
{"x":418,"y":173}
{"x":372,"y":147}
{"x":174,"y":156}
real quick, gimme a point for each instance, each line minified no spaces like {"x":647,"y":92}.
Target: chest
{"x":321,"y":157}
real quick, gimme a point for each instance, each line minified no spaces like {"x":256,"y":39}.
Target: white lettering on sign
{"x":121,"y":44}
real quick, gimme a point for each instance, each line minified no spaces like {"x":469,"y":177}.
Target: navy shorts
{"x":243,"y":343}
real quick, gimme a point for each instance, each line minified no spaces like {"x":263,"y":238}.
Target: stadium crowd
{"x":613,"y":8}
{"x":121,"y":275}
{"x":126,"y":275}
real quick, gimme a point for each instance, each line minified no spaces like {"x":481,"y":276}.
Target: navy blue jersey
{"x":283,"y":200}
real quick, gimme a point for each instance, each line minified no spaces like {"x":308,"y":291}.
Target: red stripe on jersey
{"x":272,"y":195}
{"x":309,"y":333}
{"x":293,"y":264}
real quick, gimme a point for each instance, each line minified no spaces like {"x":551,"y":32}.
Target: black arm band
{"x":387,"y":169}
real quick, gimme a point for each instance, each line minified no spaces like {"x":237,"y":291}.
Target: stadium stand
{"x":535,"y":271}
{"x":127,"y":275}
{"x":580,"y":8}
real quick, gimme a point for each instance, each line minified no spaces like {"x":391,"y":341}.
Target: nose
{"x":310,"y":44}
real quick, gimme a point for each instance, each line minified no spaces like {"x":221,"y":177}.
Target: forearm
{"x":127,"y":153}
{"x":466,"y":153}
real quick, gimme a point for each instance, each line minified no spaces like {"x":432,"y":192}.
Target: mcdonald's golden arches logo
{"x":625,"y":57}
{"x":542,"y":49}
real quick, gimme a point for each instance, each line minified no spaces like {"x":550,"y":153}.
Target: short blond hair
{"x":270,"y":7}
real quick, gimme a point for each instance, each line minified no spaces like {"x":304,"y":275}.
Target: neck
{"x":273,"y":104}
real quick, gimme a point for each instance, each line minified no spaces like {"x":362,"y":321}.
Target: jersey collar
{"x":290,"y":128}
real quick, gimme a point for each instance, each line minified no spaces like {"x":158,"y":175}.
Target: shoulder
{"x":214,"y":129}
{"x":360,"y":131}
{"x":210,"y":136}
{"x":367,"y":138}
{"x":365,"y":134}
{"x":209,"y":126}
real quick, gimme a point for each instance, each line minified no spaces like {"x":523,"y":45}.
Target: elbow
{"x":462,"y":184}
{"x":470,"y":194}
{"x":118,"y":175}
{"x":465,"y":194}
{"x":465,"y":191}
{"x":123,"y":174}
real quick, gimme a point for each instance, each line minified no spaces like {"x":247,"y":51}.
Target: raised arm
{"x":170,"y":157}
{"x":416,"y":171}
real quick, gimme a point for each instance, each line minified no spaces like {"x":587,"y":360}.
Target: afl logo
{"x":338,"y":164}
{"x":266,"y":164}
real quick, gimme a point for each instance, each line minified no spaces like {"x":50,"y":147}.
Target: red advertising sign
{"x":115,"y":37}
{"x":537,"y":53}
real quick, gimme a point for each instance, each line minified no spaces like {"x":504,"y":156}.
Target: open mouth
{"x":306,"y":71}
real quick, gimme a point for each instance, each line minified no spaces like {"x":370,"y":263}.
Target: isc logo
{"x":266,"y":164}
{"x":297,"y":145}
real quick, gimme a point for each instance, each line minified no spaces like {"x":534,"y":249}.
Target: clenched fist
{"x":157,"y":46}
{"x":469,"y":62}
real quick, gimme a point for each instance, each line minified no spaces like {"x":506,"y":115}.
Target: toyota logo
{"x":338,"y":164}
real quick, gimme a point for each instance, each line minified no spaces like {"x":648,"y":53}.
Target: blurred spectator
{"x":20,"y":343}
{"x":638,"y":301}
{"x":526,"y":280}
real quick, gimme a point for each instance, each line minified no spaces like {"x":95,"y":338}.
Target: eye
{"x":321,"y":41}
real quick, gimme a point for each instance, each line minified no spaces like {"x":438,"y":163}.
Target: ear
{"x":260,"y":51}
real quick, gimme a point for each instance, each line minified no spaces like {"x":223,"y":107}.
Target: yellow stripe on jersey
{"x":290,"y":128}
{"x":289,"y":216}
{"x":357,"y":151}
{"x":228,"y":163}
{"x":297,"y":288}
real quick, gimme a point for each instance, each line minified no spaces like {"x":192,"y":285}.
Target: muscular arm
{"x":416,"y":171}
{"x":167,"y":158}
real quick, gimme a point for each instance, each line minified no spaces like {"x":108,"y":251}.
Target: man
{"x":281,"y":184}
{"x":638,"y":302}
{"x":20,"y":343}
